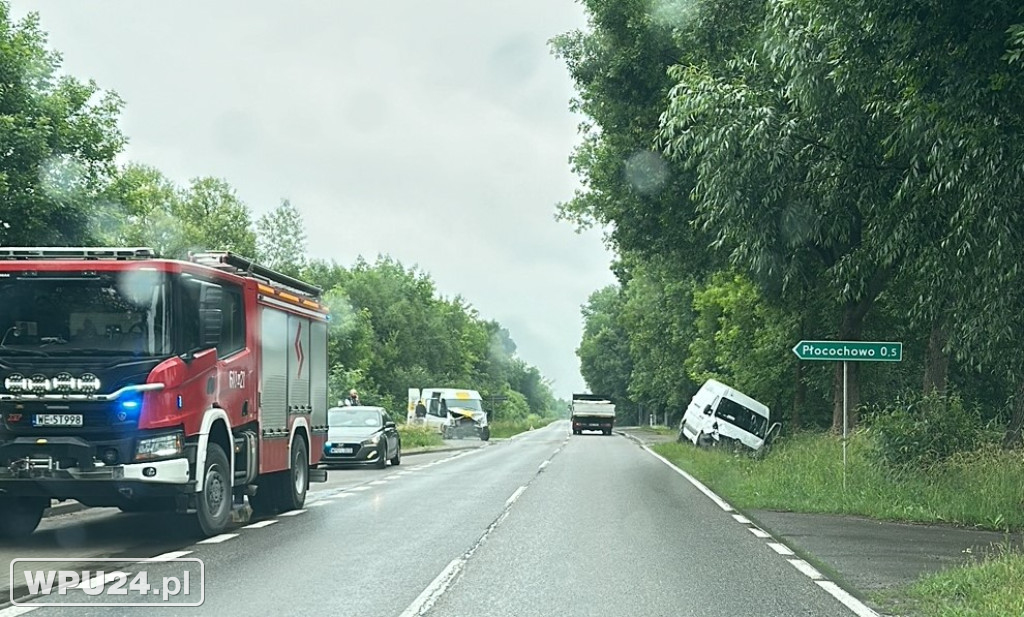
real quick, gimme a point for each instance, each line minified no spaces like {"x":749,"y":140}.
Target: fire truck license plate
{"x":57,"y":419}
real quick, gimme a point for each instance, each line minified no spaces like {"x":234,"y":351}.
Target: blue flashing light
{"x":130,"y":405}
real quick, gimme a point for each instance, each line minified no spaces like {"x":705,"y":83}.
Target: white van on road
{"x":719,"y":411}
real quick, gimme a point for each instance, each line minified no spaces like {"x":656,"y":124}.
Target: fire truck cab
{"x":153,"y":384}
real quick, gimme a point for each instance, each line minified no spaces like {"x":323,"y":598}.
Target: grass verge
{"x":418,"y":436}
{"x":804,"y":473}
{"x":991,"y":588}
{"x":503,"y":429}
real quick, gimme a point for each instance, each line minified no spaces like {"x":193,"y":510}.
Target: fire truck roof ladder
{"x":74,"y":252}
{"x":247,"y":267}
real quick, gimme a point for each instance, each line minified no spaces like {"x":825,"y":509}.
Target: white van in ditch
{"x":718,"y":412}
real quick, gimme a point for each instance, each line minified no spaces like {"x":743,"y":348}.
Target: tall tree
{"x":605,"y":361}
{"x":281,"y":239}
{"x":58,"y":141}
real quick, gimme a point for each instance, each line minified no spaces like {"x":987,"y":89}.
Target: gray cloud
{"x":388,"y":125}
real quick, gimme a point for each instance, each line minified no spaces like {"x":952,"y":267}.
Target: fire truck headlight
{"x":161,"y":446}
{"x":15,"y":383}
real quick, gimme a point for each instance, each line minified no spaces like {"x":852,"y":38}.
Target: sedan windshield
{"x":353,"y":417}
{"x":118,"y":314}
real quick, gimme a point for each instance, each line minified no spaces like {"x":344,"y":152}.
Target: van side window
{"x":741,"y":417}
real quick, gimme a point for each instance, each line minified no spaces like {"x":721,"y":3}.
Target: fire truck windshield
{"x":123,"y":313}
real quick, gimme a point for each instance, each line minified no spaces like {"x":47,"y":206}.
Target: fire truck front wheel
{"x":19,"y":516}
{"x":213,"y":511}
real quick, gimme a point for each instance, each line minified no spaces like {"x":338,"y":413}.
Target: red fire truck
{"x":152,"y":384}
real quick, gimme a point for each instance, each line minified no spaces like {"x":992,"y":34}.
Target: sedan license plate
{"x":57,"y":419}
{"x":341,"y":450}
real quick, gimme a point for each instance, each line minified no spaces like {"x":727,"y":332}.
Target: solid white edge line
{"x":434,"y":590}
{"x":721,"y":503}
{"x":741,"y":519}
{"x":218,"y":539}
{"x":14,"y":611}
{"x":852,"y":603}
{"x":859,"y":608}
{"x":759,"y":532}
{"x":806,"y":568}
{"x":511,"y":500}
{"x":167,"y":557}
{"x":269,"y":522}
{"x":292,"y":513}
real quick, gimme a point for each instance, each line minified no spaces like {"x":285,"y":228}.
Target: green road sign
{"x":849,"y":351}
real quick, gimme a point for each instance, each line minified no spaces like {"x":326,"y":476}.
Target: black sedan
{"x":361,"y":436}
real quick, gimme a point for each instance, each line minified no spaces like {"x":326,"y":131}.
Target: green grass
{"x":503,"y":428}
{"x":989,"y":589}
{"x":803,"y":473}
{"x":660,"y":430}
{"x":418,"y":436}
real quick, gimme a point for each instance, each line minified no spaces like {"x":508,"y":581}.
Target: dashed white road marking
{"x":806,"y":568}
{"x":317,"y":504}
{"x":544,"y":464}
{"x":292,"y":513}
{"x":781,"y":549}
{"x":434,"y":590}
{"x":218,"y":539}
{"x":759,"y":533}
{"x":511,"y":500}
{"x":261,"y":524}
{"x":359,"y":488}
{"x":741,"y":519}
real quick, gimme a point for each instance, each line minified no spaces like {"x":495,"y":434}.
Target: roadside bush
{"x":918,"y":431}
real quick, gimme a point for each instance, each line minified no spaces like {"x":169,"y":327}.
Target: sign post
{"x":846,"y":352}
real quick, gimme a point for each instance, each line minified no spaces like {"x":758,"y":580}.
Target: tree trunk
{"x":1012,"y":438}
{"x":936,"y":367}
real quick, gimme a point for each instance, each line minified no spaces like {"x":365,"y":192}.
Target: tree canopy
{"x":821,"y":166}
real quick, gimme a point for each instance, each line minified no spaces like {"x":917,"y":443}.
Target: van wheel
{"x":485,"y":433}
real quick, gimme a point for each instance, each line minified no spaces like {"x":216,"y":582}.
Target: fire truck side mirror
{"x":210,"y":316}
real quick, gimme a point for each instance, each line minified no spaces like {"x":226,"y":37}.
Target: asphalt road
{"x":543,"y":524}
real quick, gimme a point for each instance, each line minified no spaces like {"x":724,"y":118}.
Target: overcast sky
{"x":434,"y":131}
